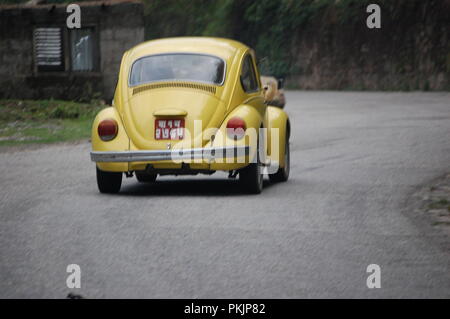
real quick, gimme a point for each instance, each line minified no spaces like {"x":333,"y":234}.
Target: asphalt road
{"x":356,"y":159}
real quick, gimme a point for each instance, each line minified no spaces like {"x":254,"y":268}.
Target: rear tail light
{"x":107,"y":130}
{"x":236,"y":128}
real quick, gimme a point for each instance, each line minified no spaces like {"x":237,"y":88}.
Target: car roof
{"x":221,"y":47}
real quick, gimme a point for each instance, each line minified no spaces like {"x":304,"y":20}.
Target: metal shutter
{"x":48,"y":48}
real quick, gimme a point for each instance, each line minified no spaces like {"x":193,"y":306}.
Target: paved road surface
{"x":356,"y":157}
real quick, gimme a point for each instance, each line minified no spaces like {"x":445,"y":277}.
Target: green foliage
{"x":41,"y":110}
{"x":53,"y":131}
{"x":45,"y":121}
{"x":268,"y":26}
{"x":176,"y":17}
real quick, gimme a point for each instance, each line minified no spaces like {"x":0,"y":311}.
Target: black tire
{"x":251,"y":177}
{"x":109,"y":182}
{"x":145,"y":178}
{"x":282,"y":175}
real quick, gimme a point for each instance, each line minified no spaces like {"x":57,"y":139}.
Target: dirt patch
{"x":434,"y":202}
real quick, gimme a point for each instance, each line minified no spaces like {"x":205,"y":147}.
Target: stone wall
{"x":411,"y":51}
{"x":118,"y":26}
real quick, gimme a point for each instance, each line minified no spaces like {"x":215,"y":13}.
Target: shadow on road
{"x":188,"y":187}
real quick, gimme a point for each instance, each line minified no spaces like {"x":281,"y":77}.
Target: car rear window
{"x":178,"y":67}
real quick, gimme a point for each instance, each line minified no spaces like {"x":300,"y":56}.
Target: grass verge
{"x":45,"y":121}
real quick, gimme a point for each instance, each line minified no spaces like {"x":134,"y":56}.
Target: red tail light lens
{"x":236,"y":128}
{"x":107,"y":130}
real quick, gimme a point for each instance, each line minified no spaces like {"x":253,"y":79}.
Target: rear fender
{"x":120,"y":143}
{"x":253,"y":121}
{"x":279,"y":131}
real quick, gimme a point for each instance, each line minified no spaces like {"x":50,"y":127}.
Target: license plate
{"x":169,"y":129}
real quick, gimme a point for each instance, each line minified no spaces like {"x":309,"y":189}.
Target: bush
{"x":64,"y":112}
{"x":268,"y":26}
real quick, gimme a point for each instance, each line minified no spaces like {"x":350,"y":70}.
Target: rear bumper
{"x":177,"y":155}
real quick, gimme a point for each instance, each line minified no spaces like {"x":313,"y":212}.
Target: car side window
{"x":248,"y":75}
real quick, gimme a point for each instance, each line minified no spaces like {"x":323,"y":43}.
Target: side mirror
{"x":280,"y":83}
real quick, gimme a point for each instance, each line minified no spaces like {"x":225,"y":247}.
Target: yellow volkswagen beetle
{"x":190,"y":105}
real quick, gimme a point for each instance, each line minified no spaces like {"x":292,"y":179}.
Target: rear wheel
{"x":282,"y":174}
{"x":145,"y":178}
{"x":251,"y":177}
{"x":108,"y":182}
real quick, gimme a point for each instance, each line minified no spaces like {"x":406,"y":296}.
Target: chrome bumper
{"x":175,"y":155}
